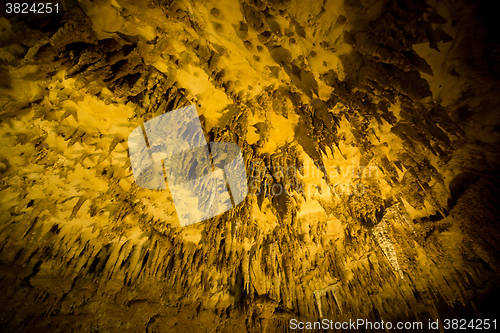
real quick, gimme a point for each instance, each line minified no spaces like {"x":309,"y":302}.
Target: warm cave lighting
{"x":249,"y":166}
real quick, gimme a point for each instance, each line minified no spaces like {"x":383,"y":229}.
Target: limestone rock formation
{"x":370,"y":135}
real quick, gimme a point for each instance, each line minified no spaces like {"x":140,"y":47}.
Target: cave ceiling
{"x":369,"y":132}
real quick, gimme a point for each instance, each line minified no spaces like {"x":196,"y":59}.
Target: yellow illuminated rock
{"x":370,"y":136}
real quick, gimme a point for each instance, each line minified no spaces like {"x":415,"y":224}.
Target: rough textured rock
{"x":370,"y":135}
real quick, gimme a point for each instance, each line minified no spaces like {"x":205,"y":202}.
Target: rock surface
{"x":369,"y":130}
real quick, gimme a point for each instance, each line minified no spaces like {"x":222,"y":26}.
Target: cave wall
{"x":378,"y":118}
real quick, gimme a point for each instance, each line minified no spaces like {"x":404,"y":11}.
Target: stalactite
{"x":383,"y":239}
